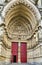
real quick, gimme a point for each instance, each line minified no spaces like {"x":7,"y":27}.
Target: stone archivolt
{"x":21,"y":18}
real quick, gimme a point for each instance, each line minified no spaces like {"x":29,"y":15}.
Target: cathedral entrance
{"x":14,"y":58}
{"x":14,"y":52}
{"x":23,"y":52}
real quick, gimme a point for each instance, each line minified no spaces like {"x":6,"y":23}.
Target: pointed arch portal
{"x":21,"y":18}
{"x":23,"y":52}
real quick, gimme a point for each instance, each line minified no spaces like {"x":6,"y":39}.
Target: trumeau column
{"x":19,"y":52}
{"x":27,"y":52}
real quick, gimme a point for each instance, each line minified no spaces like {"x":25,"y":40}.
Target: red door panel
{"x":23,"y":52}
{"x":14,"y":52}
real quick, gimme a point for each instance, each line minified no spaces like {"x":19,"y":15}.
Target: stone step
{"x":20,"y":63}
{"x":25,"y":64}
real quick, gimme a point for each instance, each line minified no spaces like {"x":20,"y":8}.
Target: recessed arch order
{"x":23,"y":9}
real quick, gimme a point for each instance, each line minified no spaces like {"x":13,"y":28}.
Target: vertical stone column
{"x":19,"y":52}
{"x":27,"y":52}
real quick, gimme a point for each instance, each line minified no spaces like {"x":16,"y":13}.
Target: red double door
{"x":23,"y":52}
